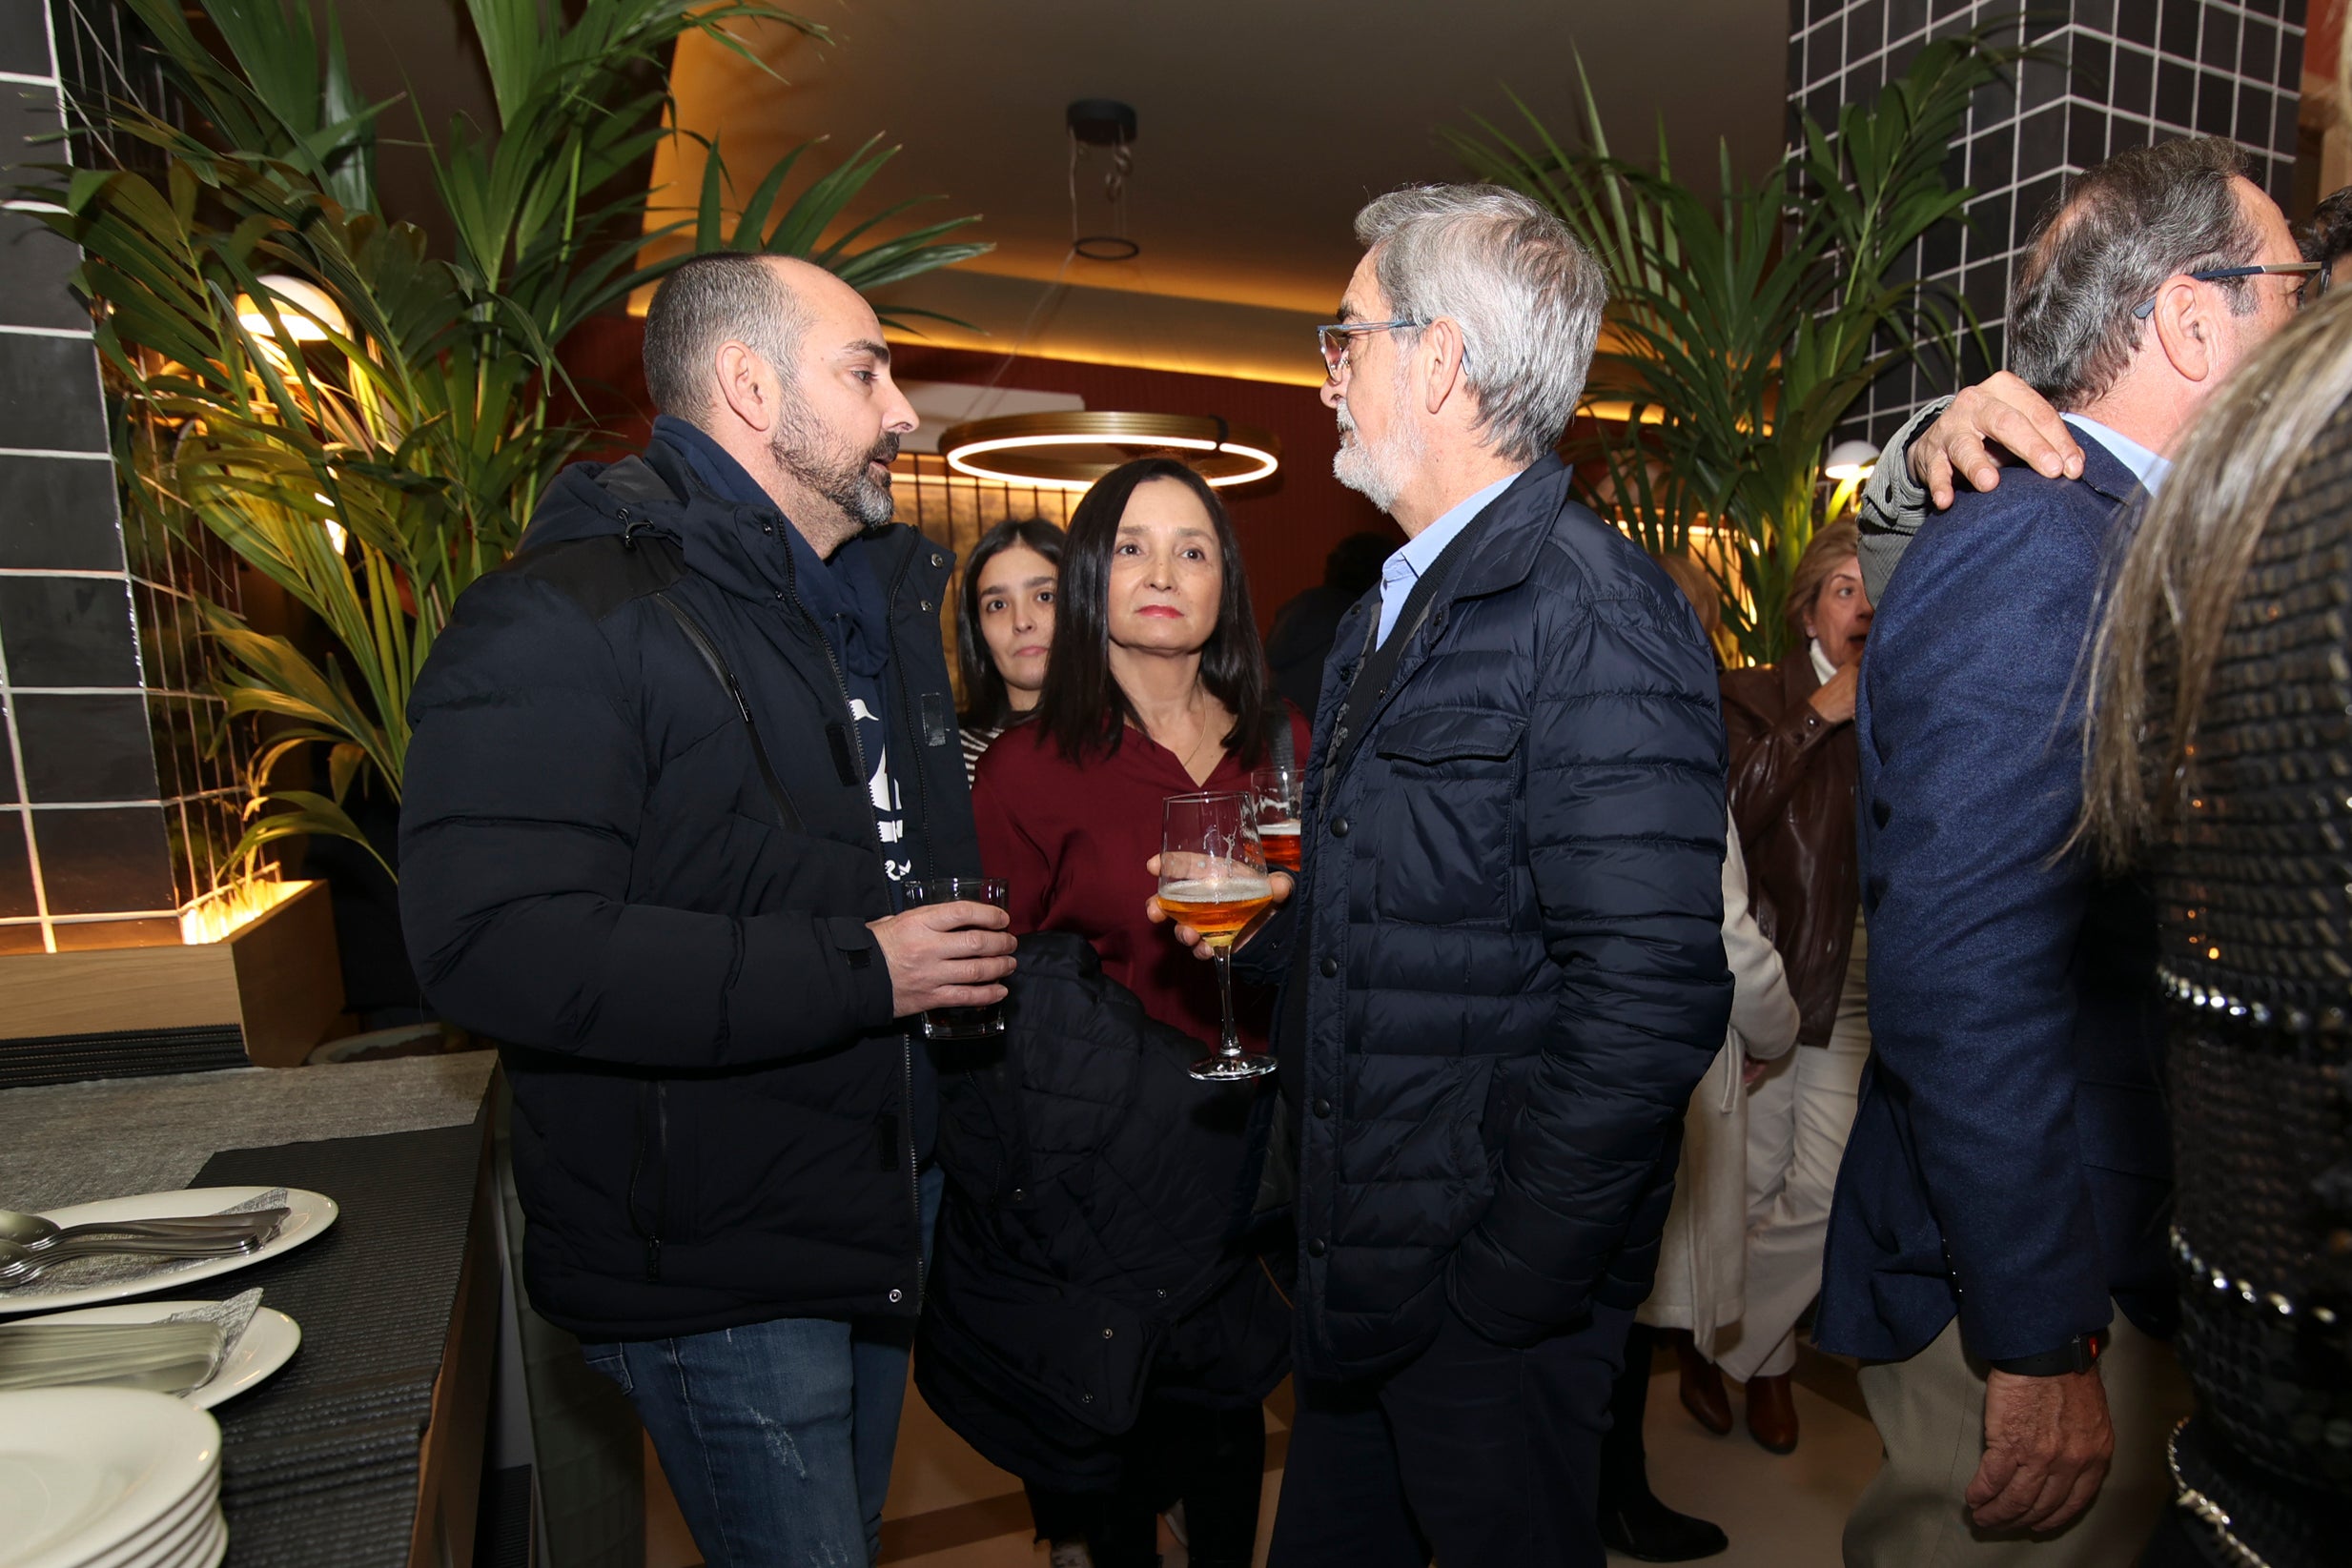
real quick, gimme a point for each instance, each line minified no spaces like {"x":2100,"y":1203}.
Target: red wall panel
{"x":1287,"y":523}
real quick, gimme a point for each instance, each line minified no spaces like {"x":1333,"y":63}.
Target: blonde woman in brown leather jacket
{"x":1793,"y":765}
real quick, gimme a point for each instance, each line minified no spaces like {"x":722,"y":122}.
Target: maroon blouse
{"x":1070,"y":838}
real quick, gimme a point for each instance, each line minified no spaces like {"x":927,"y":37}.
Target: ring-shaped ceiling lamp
{"x":1070,"y":450}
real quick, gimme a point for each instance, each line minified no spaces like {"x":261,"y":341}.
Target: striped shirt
{"x":975,"y":742}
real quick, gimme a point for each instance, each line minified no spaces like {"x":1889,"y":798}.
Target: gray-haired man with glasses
{"x":1967,"y":438}
{"x":1503,"y":967}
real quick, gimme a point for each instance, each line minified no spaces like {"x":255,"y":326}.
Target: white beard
{"x":1378,"y":473}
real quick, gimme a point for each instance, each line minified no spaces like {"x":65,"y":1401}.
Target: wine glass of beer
{"x":1213,"y":878}
{"x":1279,"y":792}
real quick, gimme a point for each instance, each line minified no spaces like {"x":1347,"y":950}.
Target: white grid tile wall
{"x":2125,"y":73}
{"x":119,"y":790}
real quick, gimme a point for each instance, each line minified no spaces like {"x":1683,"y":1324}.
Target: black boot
{"x":1647,"y":1531}
{"x":1632,"y":1520}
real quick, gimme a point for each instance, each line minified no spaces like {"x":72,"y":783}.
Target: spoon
{"x":31,"y":1231}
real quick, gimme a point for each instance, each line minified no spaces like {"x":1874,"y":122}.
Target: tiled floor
{"x":951,"y":1509}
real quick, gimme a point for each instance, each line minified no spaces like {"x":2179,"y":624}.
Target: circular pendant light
{"x":1070,"y":450}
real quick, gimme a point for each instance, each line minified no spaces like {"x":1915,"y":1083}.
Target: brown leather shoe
{"x":1702,"y":1386}
{"x":1772,"y":1412}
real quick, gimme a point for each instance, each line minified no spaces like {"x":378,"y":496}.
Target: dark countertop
{"x":322,"y":1463}
{"x":77,"y":1143}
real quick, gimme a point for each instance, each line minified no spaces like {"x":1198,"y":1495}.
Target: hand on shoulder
{"x":1999,"y":420}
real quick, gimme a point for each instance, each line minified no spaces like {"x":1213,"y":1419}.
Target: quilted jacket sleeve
{"x":525,"y":782}
{"x":1624,"y":827}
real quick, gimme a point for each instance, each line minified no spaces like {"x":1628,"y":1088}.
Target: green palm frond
{"x":1749,"y":323}
{"x":373,"y":471}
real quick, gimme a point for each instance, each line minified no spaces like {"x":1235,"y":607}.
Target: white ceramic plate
{"x":208,"y":1550}
{"x":200,"y":1544}
{"x":308,"y":1216}
{"x":269,"y":1342}
{"x":211,"y":1548}
{"x":170,"y":1538}
{"x":84,"y":1470}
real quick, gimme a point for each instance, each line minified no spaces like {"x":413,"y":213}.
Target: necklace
{"x":1200,"y":739}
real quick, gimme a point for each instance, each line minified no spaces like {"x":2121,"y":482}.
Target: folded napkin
{"x":173,"y":1355}
{"x":167,"y":1358}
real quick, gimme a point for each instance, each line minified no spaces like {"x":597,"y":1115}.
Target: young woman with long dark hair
{"x":1157,"y":686}
{"x":1005,"y":627}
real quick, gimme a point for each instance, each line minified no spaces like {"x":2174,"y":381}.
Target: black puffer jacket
{"x":1090,"y":1243}
{"x":1511,"y":910}
{"x":713,"y":1110}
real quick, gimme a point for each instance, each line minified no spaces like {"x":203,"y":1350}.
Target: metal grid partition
{"x":2123,"y":73}
{"x":118,"y":786}
{"x":955,"y":510}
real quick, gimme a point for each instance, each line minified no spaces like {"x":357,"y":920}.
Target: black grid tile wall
{"x":2121,"y":73}
{"x":118,"y":777}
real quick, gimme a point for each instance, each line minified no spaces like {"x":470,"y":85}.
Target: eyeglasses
{"x":1332,"y":338}
{"x":2217,"y":275}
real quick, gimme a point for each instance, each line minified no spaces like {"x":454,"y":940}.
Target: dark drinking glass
{"x":957,"y":1023}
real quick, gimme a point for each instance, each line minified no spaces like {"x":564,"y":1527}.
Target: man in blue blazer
{"x":1996,"y":1251}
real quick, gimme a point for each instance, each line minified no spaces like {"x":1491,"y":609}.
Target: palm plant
{"x":1746,"y":327}
{"x":366,"y":424}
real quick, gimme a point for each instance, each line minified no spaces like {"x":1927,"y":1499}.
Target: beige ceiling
{"x":1263,"y":125}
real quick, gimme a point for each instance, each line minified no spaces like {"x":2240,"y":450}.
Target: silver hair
{"x":1526,"y":295}
{"x":2142,"y":216}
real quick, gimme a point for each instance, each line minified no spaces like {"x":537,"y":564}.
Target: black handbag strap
{"x":1282,"y":750}
{"x":705,"y":646}
{"x":1378,"y":668}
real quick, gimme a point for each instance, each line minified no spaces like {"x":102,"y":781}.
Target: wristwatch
{"x":2080,"y":1353}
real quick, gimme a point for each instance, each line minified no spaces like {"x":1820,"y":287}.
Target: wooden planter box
{"x":276,"y":978}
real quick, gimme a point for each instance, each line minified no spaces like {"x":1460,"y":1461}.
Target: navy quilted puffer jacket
{"x":1513,"y":911}
{"x":1091,"y":1245}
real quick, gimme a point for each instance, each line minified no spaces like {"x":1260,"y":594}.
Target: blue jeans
{"x":776,"y":1436}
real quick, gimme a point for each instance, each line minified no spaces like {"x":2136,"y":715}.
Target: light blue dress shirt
{"x":2145,"y":465}
{"x":1402,"y":570}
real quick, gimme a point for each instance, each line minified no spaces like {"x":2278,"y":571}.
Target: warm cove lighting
{"x":1071,"y":449}
{"x":222,"y":911}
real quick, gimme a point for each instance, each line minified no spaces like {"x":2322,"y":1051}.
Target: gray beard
{"x":1372,"y":473}
{"x":801,"y":450}
{"x":1378,"y":473}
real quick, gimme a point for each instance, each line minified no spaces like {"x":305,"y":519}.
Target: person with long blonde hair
{"x":2216,"y":764}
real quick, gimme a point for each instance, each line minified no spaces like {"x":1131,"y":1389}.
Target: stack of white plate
{"x":102,"y":1478}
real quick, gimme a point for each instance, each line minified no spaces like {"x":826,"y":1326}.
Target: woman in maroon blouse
{"x":1156,"y":686}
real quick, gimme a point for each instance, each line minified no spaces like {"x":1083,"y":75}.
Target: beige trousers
{"x":1930,"y":1414}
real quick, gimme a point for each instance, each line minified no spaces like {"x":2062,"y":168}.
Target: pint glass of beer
{"x":1213,"y":878}
{"x":957,"y":1023}
{"x":1279,"y":791}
